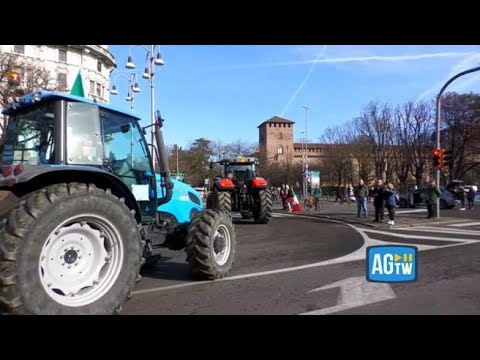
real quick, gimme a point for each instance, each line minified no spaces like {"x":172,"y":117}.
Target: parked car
{"x":418,"y":197}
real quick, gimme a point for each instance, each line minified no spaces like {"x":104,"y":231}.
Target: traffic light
{"x":13,"y":77}
{"x":447,"y":157}
{"x":436,"y":156}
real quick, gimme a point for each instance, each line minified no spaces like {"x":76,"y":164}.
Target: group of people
{"x":383,"y":195}
{"x":469,"y":195}
{"x":289,"y":199}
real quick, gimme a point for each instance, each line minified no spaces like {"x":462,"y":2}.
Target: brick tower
{"x":276,"y":137}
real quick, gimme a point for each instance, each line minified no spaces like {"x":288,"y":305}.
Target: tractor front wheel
{"x":211,"y":245}
{"x":68,"y":249}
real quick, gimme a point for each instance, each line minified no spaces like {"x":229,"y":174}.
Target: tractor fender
{"x":259,"y":183}
{"x":224,"y":184}
{"x":34,"y":177}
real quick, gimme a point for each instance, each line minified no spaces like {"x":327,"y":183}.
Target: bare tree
{"x":420,"y":129}
{"x":374,"y":122}
{"x":337,"y":160}
{"x":33,"y":77}
{"x":402,"y":142}
{"x":240,"y":147}
{"x":461,"y":117}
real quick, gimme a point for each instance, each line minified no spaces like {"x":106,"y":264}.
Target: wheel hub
{"x":218,"y":244}
{"x":221,"y":245}
{"x":70,"y":256}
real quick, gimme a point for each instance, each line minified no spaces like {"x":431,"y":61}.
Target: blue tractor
{"x":82,"y":208}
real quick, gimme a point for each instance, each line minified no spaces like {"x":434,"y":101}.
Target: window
{"x":99,"y":66}
{"x":62,"y":55}
{"x":280,"y":136}
{"x":280,"y":150}
{"x":124,"y":151}
{"x":19,"y":49}
{"x":99,"y":90}
{"x":83,"y":144}
{"x":30,"y":137}
{"x":92,"y":87}
{"x":62,"y":81}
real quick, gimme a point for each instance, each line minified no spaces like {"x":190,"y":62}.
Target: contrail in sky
{"x":295,"y":94}
{"x":349,"y":59}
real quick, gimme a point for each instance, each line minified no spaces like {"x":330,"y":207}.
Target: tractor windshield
{"x":241,"y":171}
{"x":30,"y":136}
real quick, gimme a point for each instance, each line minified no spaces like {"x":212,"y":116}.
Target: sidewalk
{"x":348,"y":213}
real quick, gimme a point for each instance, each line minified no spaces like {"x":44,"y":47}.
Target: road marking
{"x":359,"y":254}
{"x":466,"y":224}
{"x":420,"y":237}
{"x":354,"y":292}
{"x":409,"y":211}
{"x":442,"y":230}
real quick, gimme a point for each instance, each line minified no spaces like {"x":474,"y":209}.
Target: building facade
{"x":63,"y":62}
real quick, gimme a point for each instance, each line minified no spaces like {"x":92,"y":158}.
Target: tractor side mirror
{"x":158,"y":118}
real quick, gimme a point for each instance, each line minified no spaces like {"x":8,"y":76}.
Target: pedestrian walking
{"x":433,"y":194}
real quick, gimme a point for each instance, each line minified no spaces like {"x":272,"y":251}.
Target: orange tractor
{"x":239,"y":189}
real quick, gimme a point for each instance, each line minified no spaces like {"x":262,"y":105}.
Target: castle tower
{"x":276,"y":138}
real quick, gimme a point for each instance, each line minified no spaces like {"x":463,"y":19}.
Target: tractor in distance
{"x":239,"y":189}
{"x":82,"y":208}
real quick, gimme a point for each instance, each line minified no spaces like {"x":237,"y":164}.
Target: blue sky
{"x":224,"y":92}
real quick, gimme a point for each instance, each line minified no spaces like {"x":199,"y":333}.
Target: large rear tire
{"x":262,"y":212}
{"x":211,"y":245}
{"x":221,"y":200}
{"x":69,"y":249}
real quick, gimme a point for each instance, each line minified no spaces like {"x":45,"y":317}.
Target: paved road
{"x":300,"y":264}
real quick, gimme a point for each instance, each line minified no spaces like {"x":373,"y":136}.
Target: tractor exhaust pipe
{"x":163,"y":161}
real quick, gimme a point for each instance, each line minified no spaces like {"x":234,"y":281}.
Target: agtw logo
{"x":392,"y":263}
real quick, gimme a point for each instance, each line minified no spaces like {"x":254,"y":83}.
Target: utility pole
{"x":305,"y":169}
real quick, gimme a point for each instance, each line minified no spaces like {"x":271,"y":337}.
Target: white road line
{"x":398,"y":212}
{"x":359,"y":254}
{"x":354,"y":292}
{"x":442,"y":230}
{"x":419,"y":237}
{"x":466,"y":224}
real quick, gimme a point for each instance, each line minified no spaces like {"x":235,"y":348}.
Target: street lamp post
{"x":132,"y":88}
{"x":149,"y":74}
{"x":305,"y":182}
{"x":438,"y":118}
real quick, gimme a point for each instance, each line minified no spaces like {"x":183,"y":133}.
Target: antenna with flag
{"x":77,"y":88}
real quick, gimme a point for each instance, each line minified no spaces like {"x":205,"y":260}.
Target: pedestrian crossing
{"x":427,"y":236}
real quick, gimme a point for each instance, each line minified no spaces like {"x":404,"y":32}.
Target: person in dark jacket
{"x":432,"y":196}
{"x":378,"y":200}
{"x":390,"y":196}
{"x":361,"y":194}
{"x":471,"y":197}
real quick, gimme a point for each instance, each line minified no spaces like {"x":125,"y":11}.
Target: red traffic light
{"x":13,"y":77}
{"x":436,"y":153}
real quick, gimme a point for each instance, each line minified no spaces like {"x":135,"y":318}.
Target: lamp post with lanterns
{"x":132,"y":88}
{"x":151,"y":61}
